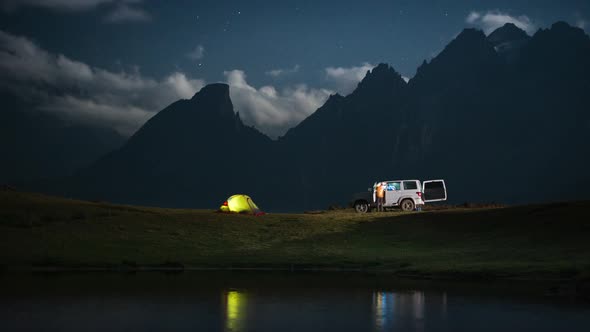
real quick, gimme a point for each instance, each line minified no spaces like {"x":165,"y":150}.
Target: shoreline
{"x":471,"y":276}
{"x":559,"y":288}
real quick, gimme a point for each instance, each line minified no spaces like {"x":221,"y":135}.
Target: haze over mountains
{"x":38,"y":145}
{"x":502,"y":118}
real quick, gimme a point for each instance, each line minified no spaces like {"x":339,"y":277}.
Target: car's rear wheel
{"x":361,"y":206}
{"x":407,"y":205}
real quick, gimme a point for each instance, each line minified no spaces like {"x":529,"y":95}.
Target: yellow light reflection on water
{"x":235,"y":311}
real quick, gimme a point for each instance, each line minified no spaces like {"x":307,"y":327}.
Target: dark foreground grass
{"x":538,"y":241}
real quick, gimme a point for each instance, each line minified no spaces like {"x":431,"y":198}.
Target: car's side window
{"x":391,"y":186}
{"x":410,"y":185}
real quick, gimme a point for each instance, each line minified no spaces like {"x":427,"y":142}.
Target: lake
{"x":271,"y":301}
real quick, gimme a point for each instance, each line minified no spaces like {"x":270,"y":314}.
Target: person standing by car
{"x":380,"y":196}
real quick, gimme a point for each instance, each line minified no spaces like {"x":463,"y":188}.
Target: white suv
{"x":406,"y":194}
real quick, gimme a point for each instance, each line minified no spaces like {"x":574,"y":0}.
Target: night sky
{"x":115,"y":63}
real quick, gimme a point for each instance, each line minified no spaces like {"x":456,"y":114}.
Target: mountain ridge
{"x":468,"y":114}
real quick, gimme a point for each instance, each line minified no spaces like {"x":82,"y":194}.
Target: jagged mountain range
{"x":502,"y":118}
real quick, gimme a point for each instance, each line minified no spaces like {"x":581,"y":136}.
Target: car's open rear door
{"x":434,"y":191}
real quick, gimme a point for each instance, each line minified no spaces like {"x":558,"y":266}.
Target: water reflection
{"x":383,"y":304}
{"x":392,"y":311}
{"x":235,"y":310}
{"x":405,"y":311}
{"x":151,"y":302}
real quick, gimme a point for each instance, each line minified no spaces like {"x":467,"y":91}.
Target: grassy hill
{"x":537,"y":241}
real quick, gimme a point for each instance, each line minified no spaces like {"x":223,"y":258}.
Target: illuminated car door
{"x":434,"y":191}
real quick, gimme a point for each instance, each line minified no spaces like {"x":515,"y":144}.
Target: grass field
{"x":538,"y":241}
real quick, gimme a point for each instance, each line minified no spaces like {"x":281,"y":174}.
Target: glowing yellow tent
{"x":240,"y":204}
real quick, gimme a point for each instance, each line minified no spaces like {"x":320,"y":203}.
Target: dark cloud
{"x":72,"y":5}
{"x":125,"y":100}
{"x":121,"y":100}
{"x":120,"y":10}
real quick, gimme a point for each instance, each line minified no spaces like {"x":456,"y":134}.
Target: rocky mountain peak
{"x":214,"y":98}
{"x":214,"y":90}
{"x":379,"y":79}
{"x":466,"y":56}
{"x":509,"y":32}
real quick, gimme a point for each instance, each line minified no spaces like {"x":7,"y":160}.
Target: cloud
{"x":197,"y":54}
{"x":493,"y":19}
{"x":581,"y":24}
{"x":72,"y":5}
{"x":345,"y":79}
{"x":281,"y":72}
{"x":269,"y":110}
{"x":125,"y":100}
{"x":124,"y":118}
{"x":473,"y":17}
{"x":124,"y":13}
{"x":121,"y":11}
{"x":68,"y":5}
{"x":121,"y":100}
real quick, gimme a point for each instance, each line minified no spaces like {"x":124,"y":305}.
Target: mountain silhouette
{"x":194,"y":152}
{"x":342,"y":137}
{"x":502,"y":118}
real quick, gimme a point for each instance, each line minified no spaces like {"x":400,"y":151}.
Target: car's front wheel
{"x":361,"y":206}
{"x":407,"y":205}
